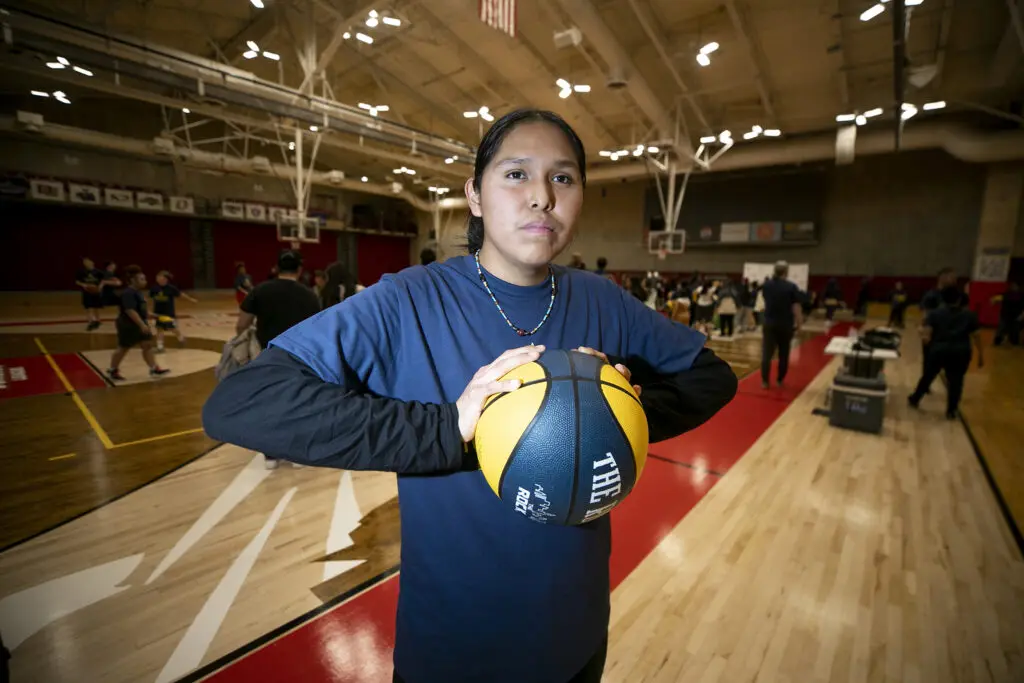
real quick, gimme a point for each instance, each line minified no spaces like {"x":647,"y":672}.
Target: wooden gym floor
{"x":764,"y":546}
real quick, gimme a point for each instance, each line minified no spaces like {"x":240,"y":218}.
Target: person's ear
{"x":473,"y":197}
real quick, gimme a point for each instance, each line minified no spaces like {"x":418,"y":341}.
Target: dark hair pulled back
{"x":492,"y":142}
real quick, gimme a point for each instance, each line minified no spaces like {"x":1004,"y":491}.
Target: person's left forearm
{"x":245,"y":321}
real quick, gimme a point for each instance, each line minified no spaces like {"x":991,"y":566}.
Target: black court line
{"x":685,"y":464}
{"x":1000,"y":501}
{"x":119,"y":496}
{"x":106,"y":380}
{"x":283,"y":630}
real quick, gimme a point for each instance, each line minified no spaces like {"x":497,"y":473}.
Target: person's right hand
{"x":485,"y":383}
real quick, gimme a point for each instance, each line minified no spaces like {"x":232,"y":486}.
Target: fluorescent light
{"x":83,"y":71}
{"x":638,"y":151}
{"x":908,"y":112}
{"x":861,"y":120}
{"x":250,"y":54}
{"x":364,"y":38}
{"x":63,"y":61}
{"x":877,"y":111}
{"x":272,"y":55}
{"x":709,"y":48}
{"x":291,"y":146}
{"x":930,"y":106}
{"x":62,"y":99}
{"x":470,"y":114}
{"x":563,"y":84}
{"x":756,"y":129}
{"x":725,"y":136}
{"x":581,"y":88}
{"x":365,"y":179}
{"x":55,"y":65}
{"x":392,"y":21}
{"x":603,"y":152}
{"x":252,"y":45}
{"x":449,"y":160}
{"x":487,"y":117}
{"x":913,"y":3}
{"x":40,"y":93}
{"x":703,"y":59}
{"x":483,"y":110}
{"x":363,"y":105}
{"x":708,"y":139}
{"x":872,"y":12}
{"x":622,"y":152}
{"x":346,"y":35}
{"x":372,"y":22}
{"x":772,"y":133}
{"x":258,"y":4}
{"x":314,"y":129}
{"x":398,"y":171}
{"x":564,"y":93}
{"x":843,"y":118}
{"x":652,"y":150}
{"x":59,"y":93}
{"x":382,"y":107}
{"x":749,"y":136}
{"x":431,"y":189}
{"x":374,"y":14}
{"x":615,"y":157}
{"x":410,"y":171}
{"x":186,"y":110}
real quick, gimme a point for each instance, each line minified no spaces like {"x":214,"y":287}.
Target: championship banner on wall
{"x":798,"y":232}
{"x":232,"y":209}
{"x":735,"y":232}
{"x":276,"y":213}
{"x":256,"y":212}
{"x":151,"y":201}
{"x":708,"y":234}
{"x":765,"y":232}
{"x":122,"y":199}
{"x":47,"y":190}
{"x":182,"y":205}
{"x":83,"y":194}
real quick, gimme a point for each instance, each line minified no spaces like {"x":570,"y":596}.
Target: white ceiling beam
{"x":754,"y":58}
{"x":343,"y":25}
{"x":838,"y":52}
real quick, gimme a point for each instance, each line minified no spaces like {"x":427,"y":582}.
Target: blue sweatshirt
{"x":486,"y":595}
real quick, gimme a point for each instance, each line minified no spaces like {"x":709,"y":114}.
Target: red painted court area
{"x":353,"y":643}
{"x":34,"y":376}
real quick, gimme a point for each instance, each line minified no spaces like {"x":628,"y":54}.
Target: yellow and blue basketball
{"x":568,"y":445}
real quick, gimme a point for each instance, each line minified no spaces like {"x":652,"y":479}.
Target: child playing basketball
{"x":163,"y":295}
{"x":131,"y":326}
{"x":89,"y":278}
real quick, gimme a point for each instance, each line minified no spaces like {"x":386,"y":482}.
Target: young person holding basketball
{"x":132,"y":328}
{"x":395,"y":379}
{"x":163,"y":295}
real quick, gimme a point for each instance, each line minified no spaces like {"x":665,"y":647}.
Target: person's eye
{"x":516,"y":175}
{"x":564,"y":178}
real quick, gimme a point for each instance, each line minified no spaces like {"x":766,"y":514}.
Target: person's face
{"x":139,"y":281}
{"x":947,"y":280}
{"x":111,"y":267}
{"x":899,"y":286}
{"x":530,"y":197}
{"x":87,"y":262}
{"x":241,"y":270}
{"x":320,"y":280}
{"x":161,"y":280}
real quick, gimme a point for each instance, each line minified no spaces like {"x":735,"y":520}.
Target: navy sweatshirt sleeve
{"x":279,"y":406}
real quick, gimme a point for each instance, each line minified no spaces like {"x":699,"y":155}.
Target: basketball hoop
{"x":662,"y":254}
{"x":295,"y":244}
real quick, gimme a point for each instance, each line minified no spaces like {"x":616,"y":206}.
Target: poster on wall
{"x":182,"y":204}
{"x":992,"y":265}
{"x":735,"y":232}
{"x":122,"y":199}
{"x":83,"y":194}
{"x":708,"y":234}
{"x":256,"y":212}
{"x":47,"y":190}
{"x":275,"y":213}
{"x":150,"y":201}
{"x":232,"y":209}
{"x":798,"y":232}
{"x":799,"y":273}
{"x":765,"y":232}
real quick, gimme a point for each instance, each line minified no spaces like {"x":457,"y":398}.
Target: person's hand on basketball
{"x":485,"y":384}
{"x":623,"y":370}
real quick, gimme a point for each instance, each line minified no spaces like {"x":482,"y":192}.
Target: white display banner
{"x":799,"y":273}
{"x":182,"y":205}
{"x":83,"y":194}
{"x":151,"y":201}
{"x":48,"y":190}
{"x":735,"y":232}
{"x":122,"y":199}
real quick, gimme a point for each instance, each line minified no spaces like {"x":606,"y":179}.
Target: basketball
{"x":568,"y":445}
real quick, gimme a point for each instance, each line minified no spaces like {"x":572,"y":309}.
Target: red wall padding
{"x":257,"y":246}
{"x":44,"y":245}
{"x":381,"y":254}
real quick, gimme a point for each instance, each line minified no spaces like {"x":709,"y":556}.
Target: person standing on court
{"x":132,"y":328}
{"x":783,"y":315}
{"x":395,"y":380}
{"x":89,"y":278}
{"x":1011,"y":315}
{"x":277,"y":305}
{"x":949,"y":332}
{"x":931,"y":301}
{"x":898,"y":306}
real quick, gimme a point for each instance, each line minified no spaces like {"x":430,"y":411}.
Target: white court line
{"x":346,"y":519}
{"x":244,"y":483}
{"x":196,"y":641}
{"x":33,"y":609}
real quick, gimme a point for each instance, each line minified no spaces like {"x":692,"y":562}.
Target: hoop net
{"x":297,"y":231}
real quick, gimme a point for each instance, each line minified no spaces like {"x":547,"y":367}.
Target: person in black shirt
{"x":131,"y":325}
{"x":1011,"y":314}
{"x":931,"y":301}
{"x":833,"y":298}
{"x":163,"y":296}
{"x":110,"y":287}
{"x":783,"y":315}
{"x":243,"y":283}
{"x":89,"y":278}
{"x":898,"y":306}
{"x":949,"y":331}
{"x":339,"y":284}
{"x":276,"y":305}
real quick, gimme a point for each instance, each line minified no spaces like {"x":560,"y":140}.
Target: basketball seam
{"x":529,"y":427}
{"x":562,"y":379}
{"x":576,"y":445}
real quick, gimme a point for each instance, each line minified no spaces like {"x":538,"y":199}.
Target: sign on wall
{"x":993,"y":265}
{"x":799,"y":273}
{"x":122,"y":199}
{"x":765,"y":232}
{"x":735,"y":232}
{"x":83,"y":194}
{"x":151,"y":201}
{"x":798,"y":232}
{"x":276,"y":213}
{"x":182,"y":205}
{"x":256,"y":212}
{"x":47,"y":190}
{"x":232,"y":209}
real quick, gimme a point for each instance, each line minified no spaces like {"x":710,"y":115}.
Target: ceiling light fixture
{"x":40,"y":93}
{"x":870,"y":113}
{"x":861,"y":120}
{"x":725,"y":137}
{"x":845,"y":118}
{"x":374,"y":14}
{"x":372,"y":22}
{"x":772,"y":133}
{"x":750,"y":135}
{"x":55,"y":65}
{"x":638,"y":151}
{"x":703,"y":59}
{"x":909,"y":111}
{"x":186,"y":110}
{"x":291,"y":146}
{"x":392,"y":21}
{"x":314,"y":129}
{"x":272,"y":56}
{"x":258,"y":4}
{"x":61,"y":97}
{"x":399,"y":171}
{"x":652,"y":150}
{"x":346,"y":35}
{"x":250,"y":54}
{"x":567,"y":88}
{"x":707,"y":139}
{"x":872,"y":12}
{"x":252,"y":45}
{"x":931,"y":106}
{"x":373,"y":109}
{"x":63,"y":61}
{"x":81,"y":70}
{"x":709,"y":48}
{"x":365,"y":179}
{"x":364,"y":38}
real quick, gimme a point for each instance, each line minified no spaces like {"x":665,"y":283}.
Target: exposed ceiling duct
{"x":211,"y":161}
{"x":960,"y":141}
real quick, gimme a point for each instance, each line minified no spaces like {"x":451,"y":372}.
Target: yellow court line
{"x":62,"y":457}
{"x":104,"y":439}
{"x":156,"y":438}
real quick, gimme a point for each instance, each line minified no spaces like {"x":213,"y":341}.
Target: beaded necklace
{"x":521,"y":332}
